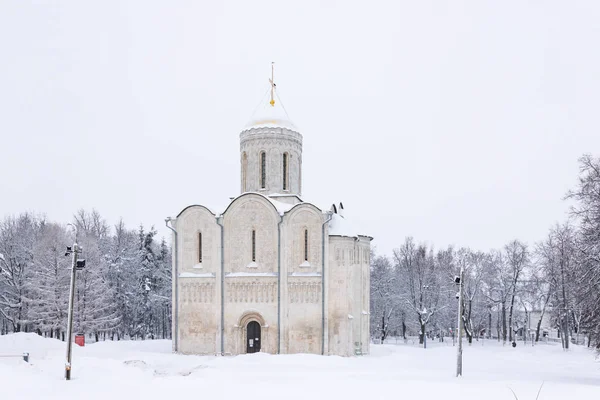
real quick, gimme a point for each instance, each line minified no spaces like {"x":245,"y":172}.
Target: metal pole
{"x":175,"y":274}
{"x":70,"y":316}
{"x":460,"y":325}
{"x":524,"y":330}
{"x":567,"y":338}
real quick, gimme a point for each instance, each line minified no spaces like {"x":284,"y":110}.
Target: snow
{"x":305,"y":274}
{"x":270,"y":116}
{"x":283,"y":195}
{"x":281,"y":207}
{"x":147,"y":370}
{"x":196,"y":275}
{"x":250,"y":274}
{"x":342,"y":226}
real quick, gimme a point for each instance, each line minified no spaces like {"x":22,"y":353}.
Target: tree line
{"x":124,"y":291}
{"x":509,"y":292}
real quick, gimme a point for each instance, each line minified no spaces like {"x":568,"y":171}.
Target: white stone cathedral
{"x":272,"y":272}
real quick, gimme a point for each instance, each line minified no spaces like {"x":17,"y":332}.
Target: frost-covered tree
{"x":586,"y":212}
{"x":50,"y":281}
{"x":517,"y":260}
{"x":474,"y":309}
{"x":422,"y":293}
{"x":35,"y":276}
{"x":557,"y":258}
{"x":383,"y":297}
{"x":17,"y":239}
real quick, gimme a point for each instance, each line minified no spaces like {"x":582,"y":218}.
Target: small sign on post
{"x":80,"y":340}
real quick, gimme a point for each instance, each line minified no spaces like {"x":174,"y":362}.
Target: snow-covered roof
{"x":339,"y":225}
{"x":307,"y":274}
{"x":196,"y":275}
{"x":270,"y":116}
{"x":281,"y":207}
{"x":249,"y":274}
{"x":342,"y":226}
{"x":284,"y":195}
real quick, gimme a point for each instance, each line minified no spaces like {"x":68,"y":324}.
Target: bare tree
{"x":474,"y":264}
{"x":586,"y":212}
{"x":517,"y":258}
{"x":382,"y":296}
{"x":423,"y":292}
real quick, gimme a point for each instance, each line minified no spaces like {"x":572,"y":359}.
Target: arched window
{"x":244,"y":169}
{"x":253,"y":245}
{"x":199,"y":247}
{"x":306,"y":245}
{"x":285,"y":171}
{"x":263,"y":170}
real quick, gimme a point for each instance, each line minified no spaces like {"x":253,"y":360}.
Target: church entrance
{"x":253,"y":337}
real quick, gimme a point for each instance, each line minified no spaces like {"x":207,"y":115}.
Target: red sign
{"x":80,"y":340}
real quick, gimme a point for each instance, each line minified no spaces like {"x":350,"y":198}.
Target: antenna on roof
{"x":272,"y":81}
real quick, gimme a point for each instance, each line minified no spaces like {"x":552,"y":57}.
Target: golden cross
{"x":272,"y":81}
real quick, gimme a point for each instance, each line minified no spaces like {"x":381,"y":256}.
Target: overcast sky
{"x":454,"y":122}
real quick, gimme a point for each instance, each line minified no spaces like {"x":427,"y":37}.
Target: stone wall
{"x":339,"y":296}
{"x":301,"y":280}
{"x":247,"y":213}
{"x":274,"y":142}
{"x":250,"y":298}
{"x":251,"y":287}
{"x":199,"y":289}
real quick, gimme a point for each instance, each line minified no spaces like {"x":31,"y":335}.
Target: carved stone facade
{"x":194,"y":292}
{"x":271,"y":272}
{"x":251,"y":292}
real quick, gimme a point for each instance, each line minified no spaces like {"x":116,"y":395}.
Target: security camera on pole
{"x":77,"y":264}
{"x":459,"y":281}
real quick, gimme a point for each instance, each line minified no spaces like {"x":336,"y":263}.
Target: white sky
{"x":454,"y":122}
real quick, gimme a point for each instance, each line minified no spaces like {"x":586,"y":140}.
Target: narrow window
{"x":253,"y":246}
{"x":199,"y":247}
{"x":285,"y":171}
{"x":306,"y":245}
{"x":300,"y":175}
{"x":263,"y":170}
{"x":244,"y":169}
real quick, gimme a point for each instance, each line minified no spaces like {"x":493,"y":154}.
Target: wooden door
{"x":253,"y":337}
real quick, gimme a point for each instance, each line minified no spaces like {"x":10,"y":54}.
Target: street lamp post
{"x":76,"y":264}
{"x":459,"y":281}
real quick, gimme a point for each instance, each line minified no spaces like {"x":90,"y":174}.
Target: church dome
{"x":271,"y":149}
{"x":270,"y":113}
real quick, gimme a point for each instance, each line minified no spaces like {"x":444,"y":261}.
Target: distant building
{"x":271,"y":272}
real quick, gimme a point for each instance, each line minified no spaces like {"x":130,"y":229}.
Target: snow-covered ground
{"x":147,"y":370}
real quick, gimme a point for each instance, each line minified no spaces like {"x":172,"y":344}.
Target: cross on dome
{"x":272,"y":81}
{"x":270,"y":112}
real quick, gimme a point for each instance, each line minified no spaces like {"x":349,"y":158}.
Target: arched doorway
{"x":253,"y":338}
